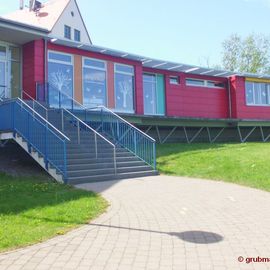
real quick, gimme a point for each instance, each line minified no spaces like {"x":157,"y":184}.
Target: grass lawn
{"x":246,"y":164}
{"x":34,"y":210}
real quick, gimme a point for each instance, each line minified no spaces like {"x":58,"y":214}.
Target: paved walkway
{"x":161,"y":223}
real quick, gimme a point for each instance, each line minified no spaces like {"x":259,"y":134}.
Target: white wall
{"x":74,"y":22}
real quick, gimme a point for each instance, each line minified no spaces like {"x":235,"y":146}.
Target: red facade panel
{"x":33,"y":66}
{"x":190,"y":101}
{"x":181,"y":100}
{"x":240,"y":109}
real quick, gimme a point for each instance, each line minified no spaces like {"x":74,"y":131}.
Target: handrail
{"x":47,"y":122}
{"x":37,"y":133}
{"x":122,"y":119}
{"x":96,"y":134}
{"x":35,"y":101}
{"x":78,"y":119}
{"x":122,"y":132}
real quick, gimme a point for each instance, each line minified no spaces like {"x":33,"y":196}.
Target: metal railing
{"x":125,"y":134}
{"x":101,"y":118}
{"x":40,"y":135}
{"x":83,"y":127}
{"x":36,"y":105}
{"x":2,"y":92}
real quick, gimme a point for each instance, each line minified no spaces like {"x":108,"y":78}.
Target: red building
{"x":50,"y":45}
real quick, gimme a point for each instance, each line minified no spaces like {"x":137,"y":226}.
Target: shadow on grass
{"x":18,"y":194}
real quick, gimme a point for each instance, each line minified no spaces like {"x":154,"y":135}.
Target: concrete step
{"x":110,"y":170}
{"x":82,"y":161}
{"x":103,"y":154}
{"x":87,"y":166}
{"x":108,"y":177}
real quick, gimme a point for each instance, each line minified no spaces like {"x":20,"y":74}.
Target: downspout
{"x":230,"y":98}
{"x":45,"y":68}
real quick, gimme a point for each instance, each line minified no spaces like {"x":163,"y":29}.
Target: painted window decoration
{"x":60,"y":79}
{"x":67,"y":32}
{"x":204,"y":83}
{"x":154,"y":94}
{"x":257,"y":93}
{"x":94,"y":83}
{"x":174,"y":80}
{"x":77,"y":35}
{"x":124,"y":88}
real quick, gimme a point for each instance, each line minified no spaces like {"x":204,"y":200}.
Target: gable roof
{"x":47,"y":18}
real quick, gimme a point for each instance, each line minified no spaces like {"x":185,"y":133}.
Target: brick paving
{"x":161,"y":223}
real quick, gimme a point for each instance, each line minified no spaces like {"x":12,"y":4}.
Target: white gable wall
{"x":74,"y":22}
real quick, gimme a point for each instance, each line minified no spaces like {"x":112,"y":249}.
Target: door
{"x":3,"y":80}
{"x":149,"y":93}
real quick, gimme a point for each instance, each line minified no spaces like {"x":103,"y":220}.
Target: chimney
{"x":31,"y":5}
{"x":21,"y":4}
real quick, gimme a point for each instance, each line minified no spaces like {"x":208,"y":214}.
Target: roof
{"x":47,"y":18}
{"x":160,"y":64}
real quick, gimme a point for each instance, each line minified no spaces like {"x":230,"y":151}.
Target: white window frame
{"x":98,"y":68}
{"x":260,"y":96}
{"x":59,"y":61}
{"x":134,"y":87}
{"x":204,"y":83}
{"x":175,"y":78}
{"x":63,"y":62}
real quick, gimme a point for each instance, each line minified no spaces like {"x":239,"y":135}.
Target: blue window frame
{"x":77,"y":35}
{"x":67,"y":32}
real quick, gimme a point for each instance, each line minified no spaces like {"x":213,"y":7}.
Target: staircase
{"x":93,"y":157}
{"x":90,"y":150}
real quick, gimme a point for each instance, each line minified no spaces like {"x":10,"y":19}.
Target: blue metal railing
{"x":40,"y":135}
{"x":83,"y":128}
{"x":105,"y":120}
{"x":125,"y":134}
{"x":2,"y":92}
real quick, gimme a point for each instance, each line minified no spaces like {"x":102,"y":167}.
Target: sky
{"x":183,"y":31}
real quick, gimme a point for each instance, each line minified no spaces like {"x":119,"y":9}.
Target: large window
{"x":60,"y":78}
{"x":257,"y":93}
{"x":124,"y":88}
{"x":94,"y":83}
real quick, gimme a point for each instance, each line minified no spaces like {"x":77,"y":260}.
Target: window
{"x":67,"y":32}
{"x":257,"y":93}
{"x":94,"y":82}
{"x":77,"y":35}
{"x":149,"y":93}
{"x":174,"y":80}
{"x":193,"y":82}
{"x":124,"y":88}
{"x":60,"y":78}
{"x":204,"y":83}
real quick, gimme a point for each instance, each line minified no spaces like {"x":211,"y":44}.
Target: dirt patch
{"x":16,"y":162}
